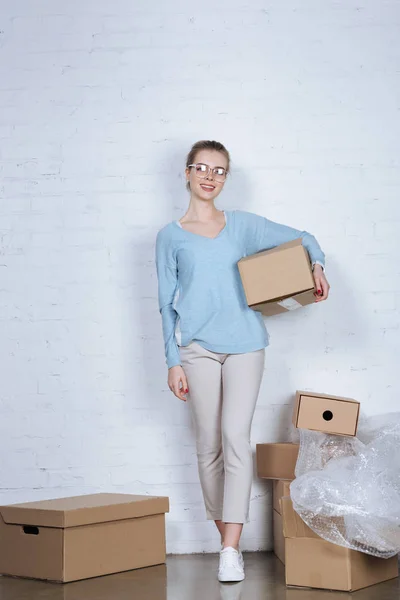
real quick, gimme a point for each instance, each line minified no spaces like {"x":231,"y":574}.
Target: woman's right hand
{"x":177,"y":382}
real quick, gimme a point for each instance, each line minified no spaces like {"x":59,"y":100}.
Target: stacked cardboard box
{"x":309,"y":560}
{"x":314,"y":562}
{"x":280,"y":489}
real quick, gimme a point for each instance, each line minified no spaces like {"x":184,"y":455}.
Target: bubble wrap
{"x":347,"y":489}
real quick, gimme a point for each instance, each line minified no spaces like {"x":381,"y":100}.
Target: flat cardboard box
{"x":278,"y":280}
{"x":279,"y":540}
{"x":329,"y":414}
{"x":276,"y":461}
{"x":280,"y":488}
{"x":315,"y":563}
{"x":75,"y":538}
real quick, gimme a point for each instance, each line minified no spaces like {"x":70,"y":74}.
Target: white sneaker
{"x":241,"y":561}
{"x":231,"y":565}
{"x":239,"y":552}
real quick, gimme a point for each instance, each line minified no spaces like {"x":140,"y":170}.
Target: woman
{"x":215,"y":343}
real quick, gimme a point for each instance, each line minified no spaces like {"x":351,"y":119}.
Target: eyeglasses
{"x":203,"y":171}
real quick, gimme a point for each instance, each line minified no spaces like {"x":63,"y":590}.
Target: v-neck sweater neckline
{"x":206,"y":237}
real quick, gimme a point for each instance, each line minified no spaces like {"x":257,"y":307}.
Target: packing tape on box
{"x":289,"y":304}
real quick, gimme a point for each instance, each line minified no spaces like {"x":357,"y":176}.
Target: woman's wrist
{"x":317,"y":265}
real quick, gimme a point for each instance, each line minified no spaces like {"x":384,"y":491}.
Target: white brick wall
{"x":99,"y":102}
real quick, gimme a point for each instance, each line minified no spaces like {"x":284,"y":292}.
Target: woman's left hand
{"x":321,"y":284}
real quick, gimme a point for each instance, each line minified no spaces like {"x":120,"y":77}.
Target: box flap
{"x":293,"y":525}
{"x":83,"y":510}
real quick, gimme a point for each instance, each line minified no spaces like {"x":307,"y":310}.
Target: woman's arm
{"x":263,"y":234}
{"x":167,"y":285}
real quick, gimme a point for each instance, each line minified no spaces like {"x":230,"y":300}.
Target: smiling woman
{"x":202,"y":170}
{"x":214,"y":343}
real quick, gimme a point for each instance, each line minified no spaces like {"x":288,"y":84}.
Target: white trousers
{"x":223,"y":391}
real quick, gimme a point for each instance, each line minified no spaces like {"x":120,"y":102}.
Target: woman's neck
{"x":199,"y":210}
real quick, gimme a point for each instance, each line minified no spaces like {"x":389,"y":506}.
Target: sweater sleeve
{"x":263,"y":234}
{"x":167,"y":274}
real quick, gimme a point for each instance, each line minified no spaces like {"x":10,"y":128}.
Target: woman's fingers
{"x":177,"y":382}
{"x":184,"y":384}
{"x":178,"y":390}
{"x":318,"y":286}
{"x":323,"y":289}
{"x":180,"y":393}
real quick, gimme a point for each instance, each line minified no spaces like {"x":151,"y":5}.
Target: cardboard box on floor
{"x":316,"y":563}
{"x":83,"y":536}
{"x":280,"y":489}
{"x":278,"y":280}
{"x":329,"y":414}
{"x":276,"y":461}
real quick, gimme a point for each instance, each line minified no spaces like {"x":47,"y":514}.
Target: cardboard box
{"x":276,"y":461}
{"x":278,"y":280}
{"x":320,"y":564}
{"x":313,"y":562}
{"x":280,"y":488}
{"x":83,"y":536}
{"x":293,"y":524}
{"x":279,"y":540}
{"x":329,"y":414}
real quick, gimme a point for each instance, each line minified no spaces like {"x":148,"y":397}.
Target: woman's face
{"x":206,"y":188}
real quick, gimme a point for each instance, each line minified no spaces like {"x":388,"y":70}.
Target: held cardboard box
{"x":279,"y":279}
{"x":316,"y":563}
{"x":83,"y":536}
{"x":329,"y":414}
{"x":276,"y":461}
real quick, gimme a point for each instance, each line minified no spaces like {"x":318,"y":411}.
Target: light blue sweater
{"x":200,"y":293}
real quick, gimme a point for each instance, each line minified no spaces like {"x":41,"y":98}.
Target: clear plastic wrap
{"x":347,"y":489}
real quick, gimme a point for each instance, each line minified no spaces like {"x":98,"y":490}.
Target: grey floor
{"x":190,"y":577}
